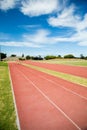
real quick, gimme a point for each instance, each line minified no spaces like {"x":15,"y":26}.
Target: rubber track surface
{"x":45,"y":102}
{"x":74,"y":70}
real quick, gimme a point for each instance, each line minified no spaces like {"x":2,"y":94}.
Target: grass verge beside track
{"x":7,"y":110}
{"x":68,"y":77}
{"x":73,"y":62}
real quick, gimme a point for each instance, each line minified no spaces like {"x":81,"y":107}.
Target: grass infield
{"x":73,"y":62}
{"x":7,"y":110}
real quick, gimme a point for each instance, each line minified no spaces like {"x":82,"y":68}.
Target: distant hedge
{"x":34,"y":57}
{"x":21,"y":59}
{"x":69,"y":56}
{"x":49,"y":57}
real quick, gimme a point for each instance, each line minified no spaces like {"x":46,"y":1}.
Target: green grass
{"x":7,"y":110}
{"x":68,"y":77}
{"x":3,"y":64}
{"x":74,"y":62}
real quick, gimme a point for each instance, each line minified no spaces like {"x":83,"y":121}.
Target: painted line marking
{"x":51,"y":102}
{"x":17,"y":117}
{"x":27,"y":65}
{"x":73,"y":92}
{"x":64,"y":88}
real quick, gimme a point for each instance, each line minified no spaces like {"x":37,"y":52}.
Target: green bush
{"x":21,"y":58}
{"x":69,"y":56}
{"x":28,"y":57}
{"x":50,"y":57}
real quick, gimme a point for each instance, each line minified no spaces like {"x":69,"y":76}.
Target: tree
{"x":13,"y":55}
{"x":82,"y":56}
{"x":22,"y":55}
{"x":37,"y":58}
{"x":40,"y":58}
{"x":28,"y":57}
{"x":50,"y":57}
{"x":86,"y":58}
{"x":69,"y":56}
{"x":2,"y":56}
{"x":59,"y":56}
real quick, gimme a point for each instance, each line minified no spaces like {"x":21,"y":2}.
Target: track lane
{"x":72,"y":87}
{"x":53,"y":93}
{"x":35,"y":112}
{"x":74,"y":70}
{"x":76,"y":105}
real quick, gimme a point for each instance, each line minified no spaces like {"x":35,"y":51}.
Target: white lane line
{"x":17,"y":117}
{"x":73,"y":92}
{"x":46,"y":97}
{"x":64,"y":88}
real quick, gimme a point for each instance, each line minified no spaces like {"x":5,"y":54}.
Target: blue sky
{"x":43,"y":27}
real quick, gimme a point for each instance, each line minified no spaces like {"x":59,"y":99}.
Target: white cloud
{"x":68,"y":18}
{"x":7,"y":4}
{"x":65,"y":19}
{"x":31,"y":7}
{"x":79,"y":37}
{"x":39,"y":7}
{"x":20,"y":43}
{"x":40,"y":37}
{"x":82,"y":43}
{"x":82,"y":24}
{"x":43,"y":37}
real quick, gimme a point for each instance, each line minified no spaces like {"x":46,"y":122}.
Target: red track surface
{"x":45,"y":102}
{"x":74,"y":70}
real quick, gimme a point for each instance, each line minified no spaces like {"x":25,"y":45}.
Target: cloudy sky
{"x":42,"y":27}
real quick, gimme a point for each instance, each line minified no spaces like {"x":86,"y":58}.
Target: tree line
{"x":47,"y":57}
{"x":68,"y":56}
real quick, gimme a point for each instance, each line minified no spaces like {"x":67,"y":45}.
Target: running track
{"x":45,"y":102}
{"x":74,"y":70}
